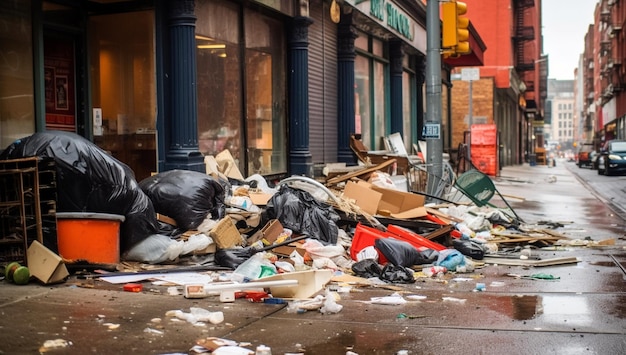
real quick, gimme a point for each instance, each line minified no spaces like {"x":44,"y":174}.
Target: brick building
{"x":513,"y":80}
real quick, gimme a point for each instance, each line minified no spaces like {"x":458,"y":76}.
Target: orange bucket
{"x":94,"y":237}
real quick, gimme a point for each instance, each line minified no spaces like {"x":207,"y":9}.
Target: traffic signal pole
{"x":432,"y":126}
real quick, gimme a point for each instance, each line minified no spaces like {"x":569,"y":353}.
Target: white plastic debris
{"x":394,"y":299}
{"x":54,"y":344}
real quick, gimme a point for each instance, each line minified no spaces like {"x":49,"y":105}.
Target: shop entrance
{"x":123,"y":88}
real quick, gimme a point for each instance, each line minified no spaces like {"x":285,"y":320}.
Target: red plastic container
{"x":415,"y":239}
{"x":364,"y":237}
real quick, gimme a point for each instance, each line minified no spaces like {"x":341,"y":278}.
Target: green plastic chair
{"x":479,"y":188}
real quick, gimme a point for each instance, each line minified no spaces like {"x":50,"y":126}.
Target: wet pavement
{"x":581,"y":311}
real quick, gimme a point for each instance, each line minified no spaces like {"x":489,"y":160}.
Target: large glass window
{"x":370,"y":71}
{"x":16,"y":72}
{"x":241,"y":86}
{"x":123,"y":87}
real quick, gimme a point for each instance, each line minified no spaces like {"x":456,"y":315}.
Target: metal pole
{"x":434,"y":145}
{"x":471,"y":121}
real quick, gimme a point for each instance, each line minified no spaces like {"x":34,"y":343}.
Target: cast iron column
{"x":183,"y":150}
{"x":420,"y":70}
{"x":299,"y":154}
{"x":345,"y":77}
{"x":395,"y":54}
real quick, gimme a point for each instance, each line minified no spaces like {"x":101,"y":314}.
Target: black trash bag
{"x":367,"y":268}
{"x":90,"y":180}
{"x":299,"y":211}
{"x":186,"y":196}
{"x":401,"y":253}
{"x":397,"y":274}
{"x":470,"y":248}
{"x":232,"y":258}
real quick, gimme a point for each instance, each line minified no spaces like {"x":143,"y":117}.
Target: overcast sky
{"x":565,"y":23}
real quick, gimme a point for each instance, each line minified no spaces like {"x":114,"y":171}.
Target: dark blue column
{"x":395,"y":81}
{"x":183,"y":150}
{"x":345,"y":88}
{"x":420,"y":79}
{"x":300,"y":157}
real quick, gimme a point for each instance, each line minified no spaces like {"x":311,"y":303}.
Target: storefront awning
{"x":475,"y":58}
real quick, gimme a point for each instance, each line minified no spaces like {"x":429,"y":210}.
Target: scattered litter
{"x":54,"y":344}
{"x":392,"y":300}
{"x":232,"y":350}
{"x":541,"y":276}
{"x":480,"y":287}
{"x":415,"y":297}
{"x":111,"y":326}
{"x":197,"y":316}
{"x":153,"y":331}
{"x":454,"y":299}
{"x":497,"y":284}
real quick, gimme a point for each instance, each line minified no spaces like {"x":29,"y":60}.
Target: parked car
{"x":612,"y":158}
{"x":583,"y":157}
{"x":594,"y":159}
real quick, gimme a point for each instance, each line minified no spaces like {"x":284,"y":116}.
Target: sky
{"x":565,"y":23}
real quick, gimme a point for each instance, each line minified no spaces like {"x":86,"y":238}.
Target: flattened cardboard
{"x":309,"y":283}
{"x":260,"y":198}
{"x":412,"y":213}
{"x":225,"y":234}
{"x":45,"y":265}
{"x":363,"y":196}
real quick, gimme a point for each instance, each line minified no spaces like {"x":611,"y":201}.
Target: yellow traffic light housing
{"x":454,"y":31}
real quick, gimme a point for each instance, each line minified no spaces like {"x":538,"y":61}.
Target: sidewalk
{"x":580,"y":311}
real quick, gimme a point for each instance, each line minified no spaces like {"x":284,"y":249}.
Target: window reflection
{"x":241,"y":87}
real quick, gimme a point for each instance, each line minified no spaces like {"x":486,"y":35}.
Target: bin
{"x":91,"y":237}
{"x":532,"y":159}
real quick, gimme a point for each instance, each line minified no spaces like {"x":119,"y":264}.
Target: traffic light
{"x":454,"y":31}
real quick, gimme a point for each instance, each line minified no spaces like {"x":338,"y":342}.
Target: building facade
{"x":604,"y":74}
{"x":561,"y":128}
{"x":514,"y":73}
{"x":280,"y":84}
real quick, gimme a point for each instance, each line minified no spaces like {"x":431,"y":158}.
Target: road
{"x":610,"y":189}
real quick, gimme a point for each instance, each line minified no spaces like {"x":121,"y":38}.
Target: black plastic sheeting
{"x":90,"y":180}
{"x":299,"y":211}
{"x":186,"y":196}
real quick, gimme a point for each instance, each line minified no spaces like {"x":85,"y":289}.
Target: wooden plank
{"x":445,"y":216}
{"x":536,"y":263}
{"x":351,"y":175}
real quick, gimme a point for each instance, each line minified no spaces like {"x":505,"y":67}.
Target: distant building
{"x":560,"y":126}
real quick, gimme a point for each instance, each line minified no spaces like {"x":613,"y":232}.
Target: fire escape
{"x":612,"y":67}
{"x":522,"y":36}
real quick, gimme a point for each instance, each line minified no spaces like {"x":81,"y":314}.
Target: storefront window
{"x":17,"y":118}
{"x":219,"y":79}
{"x":362,"y":99}
{"x":241,"y":98}
{"x":370,"y":72}
{"x":407,"y":117}
{"x":124,"y":87}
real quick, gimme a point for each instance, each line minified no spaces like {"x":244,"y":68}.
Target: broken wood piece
{"x":439,"y":232}
{"x":369,"y":170}
{"x":521,"y":262}
{"x":444,"y":216}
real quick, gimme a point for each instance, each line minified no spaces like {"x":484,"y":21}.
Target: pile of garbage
{"x":217,"y":218}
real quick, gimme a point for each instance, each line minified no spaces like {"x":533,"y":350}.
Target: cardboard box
{"x":398,"y":201}
{"x":269,"y":233}
{"x":225,"y":234}
{"x":309,"y":283}
{"x":45,"y":265}
{"x":363,"y":196}
{"x":286,"y":250}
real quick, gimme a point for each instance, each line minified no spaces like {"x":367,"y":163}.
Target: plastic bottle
{"x":263,"y":350}
{"x":434,"y":271}
{"x":249,"y":270}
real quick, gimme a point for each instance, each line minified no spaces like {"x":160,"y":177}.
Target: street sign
{"x":431,"y":131}
{"x":470,"y":74}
